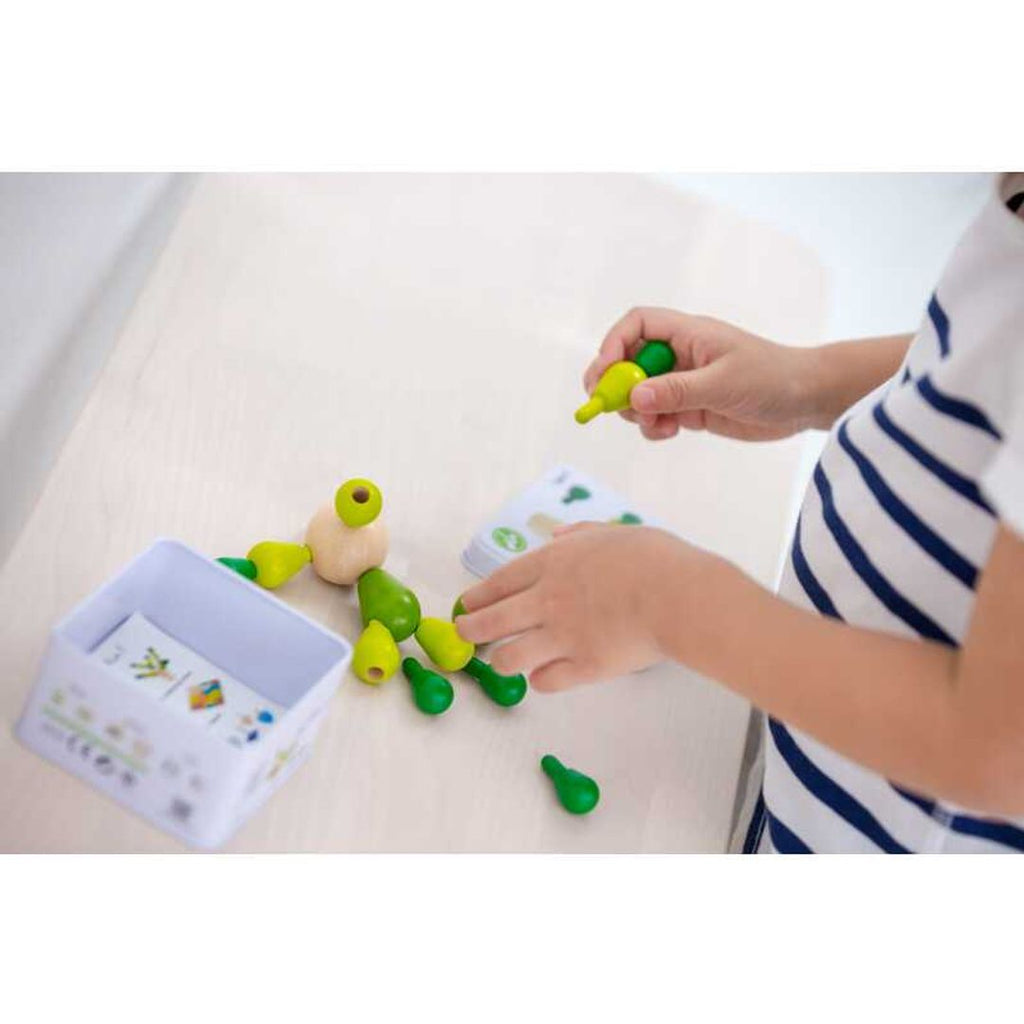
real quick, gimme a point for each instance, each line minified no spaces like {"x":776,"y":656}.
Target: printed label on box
{"x":187,"y":683}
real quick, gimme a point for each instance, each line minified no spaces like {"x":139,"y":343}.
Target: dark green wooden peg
{"x":241,"y":565}
{"x":503,"y":690}
{"x":432,"y":693}
{"x":577,"y":793}
{"x":655,"y":358}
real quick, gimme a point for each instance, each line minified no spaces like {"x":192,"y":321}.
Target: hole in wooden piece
{"x":375,"y":673}
{"x":361,"y":495}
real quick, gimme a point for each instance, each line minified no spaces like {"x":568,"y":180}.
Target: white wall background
{"x":74,"y":251}
{"x":884,"y":238}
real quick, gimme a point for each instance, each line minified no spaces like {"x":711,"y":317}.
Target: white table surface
{"x":428,"y":332}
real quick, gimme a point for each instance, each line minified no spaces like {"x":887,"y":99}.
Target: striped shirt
{"x":894,"y":531}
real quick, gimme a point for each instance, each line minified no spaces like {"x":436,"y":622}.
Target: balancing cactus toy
{"x":346,"y":543}
{"x":611,"y":394}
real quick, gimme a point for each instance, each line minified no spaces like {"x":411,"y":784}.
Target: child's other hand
{"x":726,"y":380}
{"x":586,"y":606}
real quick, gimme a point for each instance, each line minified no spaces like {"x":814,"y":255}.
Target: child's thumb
{"x":677,"y":392}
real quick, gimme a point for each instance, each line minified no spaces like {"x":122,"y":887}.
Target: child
{"x":891,"y":665}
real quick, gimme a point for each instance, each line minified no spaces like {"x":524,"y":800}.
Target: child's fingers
{"x":624,"y":335}
{"x":525,"y":653}
{"x":561,"y":531}
{"x":692,"y":419}
{"x":611,"y":351}
{"x":663,"y":428}
{"x":703,"y":388}
{"x":508,"y":617}
{"x":638,"y":324}
{"x":649,"y":420}
{"x":510,"y":579}
{"x":614,"y":347}
{"x":556,"y":675}
{"x":641,"y":324}
{"x":647,"y":322}
{"x":653,"y":425}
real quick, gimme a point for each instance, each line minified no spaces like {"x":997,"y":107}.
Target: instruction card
{"x":562,"y":496}
{"x":188,"y":684}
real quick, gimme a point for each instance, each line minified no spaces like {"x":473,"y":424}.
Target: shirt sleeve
{"x":1003,"y":479}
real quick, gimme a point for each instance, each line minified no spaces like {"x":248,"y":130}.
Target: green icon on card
{"x":509,"y":539}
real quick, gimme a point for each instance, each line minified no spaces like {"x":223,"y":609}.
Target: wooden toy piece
{"x":376,"y":655}
{"x":432,"y":693}
{"x":655,"y":358}
{"x":504,"y":690}
{"x":577,"y":793}
{"x":627,"y":519}
{"x":277,"y":561}
{"x":458,"y":608}
{"x":358,"y":502}
{"x":611,"y":394}
{"x":341,"y":554}
{"x":240,"y":565}
{"x":443,"y":645}
{"x":612,"y":391}
{"x":390,"y":602}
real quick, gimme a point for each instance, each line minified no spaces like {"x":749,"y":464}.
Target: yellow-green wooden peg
{"x":611,"y":394}
{"x":277,"y":561}
{"x":612,"y":391}
{"x":358,"y":502}
{"x":443,"y":645}
{"x":376,"y":655}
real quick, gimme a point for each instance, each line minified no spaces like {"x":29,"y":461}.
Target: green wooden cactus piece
{"x":388,"y":600}
{"x":431,"y":692}
{"x":503,"y":690}
{"x":577,"y":793}
{"x":241,"y":565}
{"x":656,"y":358}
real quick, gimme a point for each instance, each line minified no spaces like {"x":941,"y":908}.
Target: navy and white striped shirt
{"x":895,"y":530}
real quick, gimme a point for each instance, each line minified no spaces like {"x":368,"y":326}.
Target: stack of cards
{"x":523,"y":524}
{"x":187,"y":683}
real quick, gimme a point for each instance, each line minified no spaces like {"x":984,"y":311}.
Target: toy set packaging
{"x":183,"y":692}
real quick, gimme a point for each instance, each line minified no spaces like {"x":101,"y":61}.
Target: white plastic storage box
{"x":185,"y":779}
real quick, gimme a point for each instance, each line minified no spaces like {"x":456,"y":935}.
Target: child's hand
{"x":726,"y":380}
{"x":586,"y":606}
